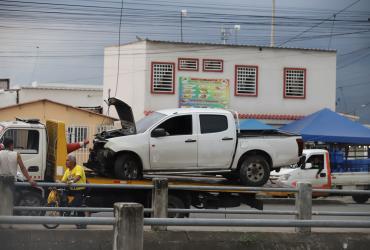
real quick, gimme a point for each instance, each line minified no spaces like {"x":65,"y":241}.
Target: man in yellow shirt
{"x":75,"y":174}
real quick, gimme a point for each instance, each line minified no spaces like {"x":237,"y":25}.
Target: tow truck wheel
{"x":254,"y":171}
{"x":175,"y":202}
{"x":30,"y":199}
{"x":127,"y":167}
{"x":360,"y":199}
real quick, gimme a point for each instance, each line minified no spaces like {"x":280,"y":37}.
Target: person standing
{"x":9,"y":160}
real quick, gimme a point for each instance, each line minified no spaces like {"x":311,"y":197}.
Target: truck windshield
{"x":143,"y":124}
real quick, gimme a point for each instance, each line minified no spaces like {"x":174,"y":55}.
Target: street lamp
{"x":183,"y":13}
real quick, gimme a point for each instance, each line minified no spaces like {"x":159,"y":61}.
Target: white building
{"x":85,"y":96}
{"x":273,"y":84}
{"x":8,"y":97}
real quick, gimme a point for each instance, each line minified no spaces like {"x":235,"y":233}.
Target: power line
{"x":314,"y":26}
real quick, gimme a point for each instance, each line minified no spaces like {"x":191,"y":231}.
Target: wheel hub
{"x":255,"y":172}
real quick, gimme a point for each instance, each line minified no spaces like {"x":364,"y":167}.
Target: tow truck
{"x":44,"y":150}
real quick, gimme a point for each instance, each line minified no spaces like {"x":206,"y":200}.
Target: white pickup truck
{"x":188,"y":141}
{"x":326,"y":172}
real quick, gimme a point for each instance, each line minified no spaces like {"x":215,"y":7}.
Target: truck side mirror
{"x":158,"y":132}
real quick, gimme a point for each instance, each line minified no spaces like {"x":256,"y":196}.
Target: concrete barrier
{"x":13,"y":239}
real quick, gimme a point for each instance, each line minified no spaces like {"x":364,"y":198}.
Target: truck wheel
{"x":360,"y":199}
{"x":52,"y":213}
{"x":175,"y":202}
{"x":127,"y":167}
{"x":30,"y":199}
{"x":254,"y":171}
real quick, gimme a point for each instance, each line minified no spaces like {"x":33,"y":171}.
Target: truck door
{"x":27,"y":143}
{"x":179,"y":148}
{"x":315,"y":171}
{"x":216,"y":141}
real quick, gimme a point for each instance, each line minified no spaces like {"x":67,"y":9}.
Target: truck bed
{"x":261,"y":133}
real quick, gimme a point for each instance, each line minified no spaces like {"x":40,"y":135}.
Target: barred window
{"x":163,"y":78}
{"x":246,"y":80}
{"x":294,"y":83}
{"x":213,"y":65}
{"x":188,"y":64}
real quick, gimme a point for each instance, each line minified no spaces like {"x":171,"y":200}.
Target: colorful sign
{"x":204,"y":93}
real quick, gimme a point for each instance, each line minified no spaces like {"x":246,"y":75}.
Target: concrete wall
{"x":131,"y":82}
{"x":44,"y":110}
{"x":102,"y":239}
{"x":320,"y":75}
{"x":74,"y":96}
{"x":8,"y":98}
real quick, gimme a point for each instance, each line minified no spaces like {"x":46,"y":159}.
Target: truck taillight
{"x":300,"y":146}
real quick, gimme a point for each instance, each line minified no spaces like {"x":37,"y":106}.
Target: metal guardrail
{"x":198,"y":188}
{"x":256,"y":223}
{"x":187,"y":222}
{"x":132,"y":213}
{"x":56,"y":219}
{"x":195,"y":211}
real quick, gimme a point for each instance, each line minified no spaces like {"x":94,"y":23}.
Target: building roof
{"x":246,"y":116}
{"x":65,"y":87}
{"x":229,"y":45}
{"x":192,"y":110}
{"x":57,"y":103}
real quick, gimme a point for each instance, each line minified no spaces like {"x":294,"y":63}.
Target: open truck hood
{"x":125,"y":115}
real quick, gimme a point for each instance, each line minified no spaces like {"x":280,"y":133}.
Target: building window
{"x":77,"y":133}
{"x":213,"y":65}
{"x":246,"y":80}
{"x":163,"y":78}
{"x":188,"y":64}
{"x":4,"y":84}
{"x":294,"y":83}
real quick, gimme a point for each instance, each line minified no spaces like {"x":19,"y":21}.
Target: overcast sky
{"x":51,"y":41}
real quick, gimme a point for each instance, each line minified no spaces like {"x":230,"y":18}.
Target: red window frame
{"x":184,"y":58}
{"x":304,"y":84}
{"x":236,"y":80}
{"x":216,"y":60}
{"x":152,"y":91}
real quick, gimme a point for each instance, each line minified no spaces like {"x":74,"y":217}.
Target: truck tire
{"x":127,"y":167}
{"x":360,"y":199}
{"x":175,"y":202}
{"x":30,"y":199}
{"x":254,"y":171}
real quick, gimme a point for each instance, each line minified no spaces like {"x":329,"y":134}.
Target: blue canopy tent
{"x":328,"y":126}
{"x":253,"y":124}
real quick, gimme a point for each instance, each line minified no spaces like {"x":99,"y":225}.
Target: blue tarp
{"x":328,"y":126}
{"x":253,"y":124}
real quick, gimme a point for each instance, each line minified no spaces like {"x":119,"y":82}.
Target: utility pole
{"x":183,"y":13}
{"x":236,"y":30}
{"x":225,"y":33}
{"x":272,"y":41}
